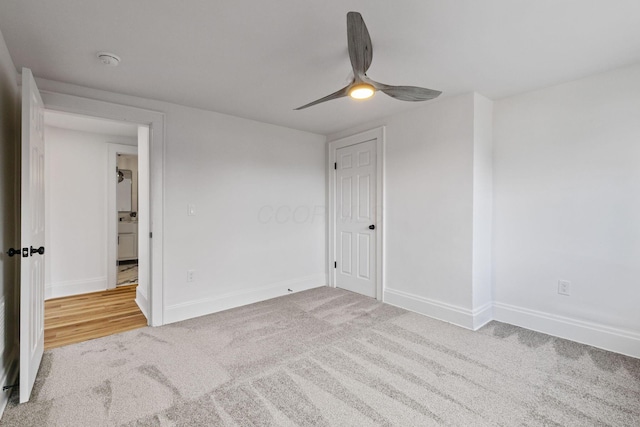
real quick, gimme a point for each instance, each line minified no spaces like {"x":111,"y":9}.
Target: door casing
{"x":377,"y":134}
{"x":156,"y":122}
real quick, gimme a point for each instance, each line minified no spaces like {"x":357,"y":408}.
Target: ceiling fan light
{"x":362,"y":91}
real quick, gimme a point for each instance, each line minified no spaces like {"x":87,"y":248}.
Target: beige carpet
{"x":327,"y":357}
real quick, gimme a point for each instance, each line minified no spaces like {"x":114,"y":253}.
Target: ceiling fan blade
{"x":335,"y":95}
{"x":406,"y":93}
{"x":359,"y":43}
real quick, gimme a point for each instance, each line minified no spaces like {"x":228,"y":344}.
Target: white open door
{"x":32,"y":236}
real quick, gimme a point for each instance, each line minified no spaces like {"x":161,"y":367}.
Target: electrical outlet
{"x":191,"y":209}
{"x":191,"y":275}
{"x":564,"y":287}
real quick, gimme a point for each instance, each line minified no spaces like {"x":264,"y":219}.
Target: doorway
{"x":153,"y":132}
{"x":127,"y":211}
{"x":79,"y":180}
{"x":356,"y":213}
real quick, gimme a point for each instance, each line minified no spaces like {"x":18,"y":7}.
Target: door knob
{"x":12,"y":252}
{"x":372,"y":227}
{"x":40,"y":250}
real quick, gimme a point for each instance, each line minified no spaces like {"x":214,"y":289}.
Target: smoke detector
{"x":108,"y":58}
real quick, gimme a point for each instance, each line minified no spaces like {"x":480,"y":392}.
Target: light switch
{"x":564,"y":287}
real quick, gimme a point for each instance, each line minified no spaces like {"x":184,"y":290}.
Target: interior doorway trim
{"x":377,"y":134}
{"x":155,"y":120}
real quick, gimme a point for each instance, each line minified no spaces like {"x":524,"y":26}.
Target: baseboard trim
{"x":482,"y":315}
{"x":460,"y":316}
{"x":10,"y":376}
{"x":75,"y":287}
{"x":593,"y":334}
{"x":143,"y":303}
{"x":204,"y":306}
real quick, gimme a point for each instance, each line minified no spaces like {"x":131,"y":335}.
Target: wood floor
{"x":80,"y":318}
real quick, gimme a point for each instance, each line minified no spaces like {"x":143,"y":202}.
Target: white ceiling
{"x":261,"y":59}
{"x":90,"y":124}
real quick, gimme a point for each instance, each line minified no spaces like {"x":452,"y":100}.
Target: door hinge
{"x":335,"y":264}
{"x":335,"y":165}
{"x":150,"y":234}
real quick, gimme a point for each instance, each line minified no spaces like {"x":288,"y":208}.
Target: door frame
{"x":377,"y":134}
{"x":155,"y":120}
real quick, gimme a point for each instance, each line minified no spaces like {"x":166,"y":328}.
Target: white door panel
{"x":355,"y":213}
{"x":31,"y":236}
{"x":127,"y":246}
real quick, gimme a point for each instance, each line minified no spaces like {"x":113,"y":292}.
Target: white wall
{"x":245,"y":179}
{"x":482,"y":210}
{"x":9,"y":208}
{"x":233,"y":170}
{"x":429,"y":184}
{"x":76,"y":210}
{"x":429,"y":206}
{"x":567,"y":206}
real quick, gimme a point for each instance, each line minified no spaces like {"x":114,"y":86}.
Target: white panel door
{"x":32,"y":236}
{"x":355,"y":218}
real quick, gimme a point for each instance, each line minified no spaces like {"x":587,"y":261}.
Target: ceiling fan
{"x":361,"y":54}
